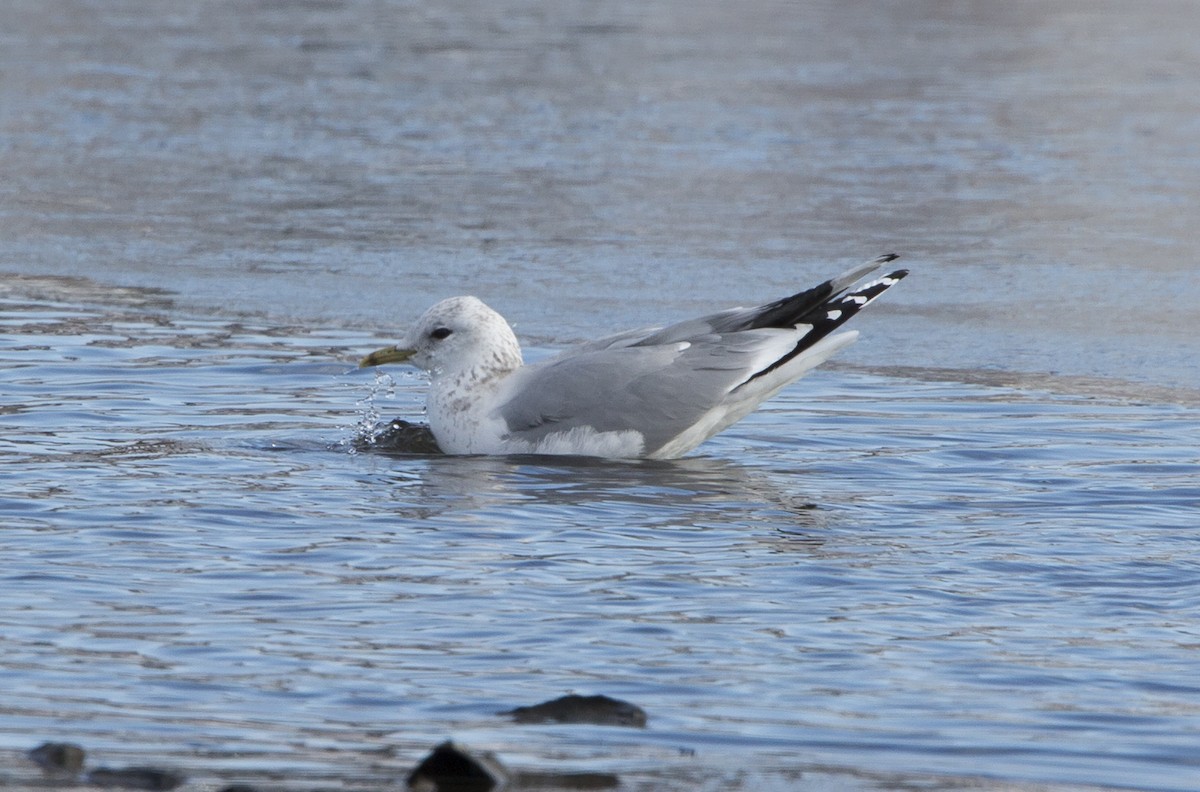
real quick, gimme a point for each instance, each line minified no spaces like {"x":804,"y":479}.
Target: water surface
{"x":964,"y":551}
{"x":879,"y":574}
{"x":591,"y":167}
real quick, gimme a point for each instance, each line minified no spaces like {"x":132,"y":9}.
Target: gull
{"x":654,"y":393}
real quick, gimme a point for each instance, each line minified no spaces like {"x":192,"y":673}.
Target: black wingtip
{"x":823,"y":317}
{"x":886,"y":257}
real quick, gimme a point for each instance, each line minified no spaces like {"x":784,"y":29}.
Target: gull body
{"x":654,"y":393}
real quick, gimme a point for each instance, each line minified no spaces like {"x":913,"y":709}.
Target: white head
{"x":457,"y":335}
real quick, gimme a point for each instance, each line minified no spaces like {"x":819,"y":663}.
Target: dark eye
{"x":440,"y":333}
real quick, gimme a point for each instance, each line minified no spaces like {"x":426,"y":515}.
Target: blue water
{"x":876,"y":573}
{"x":964,"y":550}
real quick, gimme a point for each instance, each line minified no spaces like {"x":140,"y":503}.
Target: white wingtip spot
{"x":834,"y":315}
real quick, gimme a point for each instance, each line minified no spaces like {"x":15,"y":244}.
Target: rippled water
{"x":967,"y":548}
{"x":875,"y":573}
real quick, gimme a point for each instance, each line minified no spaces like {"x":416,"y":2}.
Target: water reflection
{"x":654,"y":495}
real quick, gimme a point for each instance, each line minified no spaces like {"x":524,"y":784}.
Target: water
{"x":965,"y":550}
{"x":586,"y":166}
{"x":875,"y":573}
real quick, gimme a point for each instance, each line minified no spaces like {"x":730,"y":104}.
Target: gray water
{"x":962,"y":554}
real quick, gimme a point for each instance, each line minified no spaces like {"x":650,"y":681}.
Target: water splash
{"x":372,"y":433}
{"x":382,"y":386}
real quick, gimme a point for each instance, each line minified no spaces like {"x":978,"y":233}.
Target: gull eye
{"x":440,"y":333}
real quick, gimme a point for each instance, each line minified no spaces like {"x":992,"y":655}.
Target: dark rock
{"x":598,"y":710}
{"x":149,"y":778}
{"x":59,"y":757}
{"x":398,"y":437}
{"x":452,"y":768}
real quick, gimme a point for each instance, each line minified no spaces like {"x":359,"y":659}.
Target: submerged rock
{"x":148,"y":778}
{"x":453,"y":768}
{"x":398,"y":437}
{"x":59,"y":757}
{"x":598,"y":710}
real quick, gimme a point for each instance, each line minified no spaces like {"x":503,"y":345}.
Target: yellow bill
{"x":390,"y":354}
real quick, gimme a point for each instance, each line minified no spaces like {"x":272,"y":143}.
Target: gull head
{"x":456,"y":336}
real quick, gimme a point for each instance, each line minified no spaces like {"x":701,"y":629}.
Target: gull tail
{"x":836,"y":311}
{"x":804,"y":307}
{"x":823,"y":308}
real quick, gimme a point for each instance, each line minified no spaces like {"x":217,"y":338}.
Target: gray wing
{"x":660,"y":382}
{"x":658,"y":391}
{"x":801,"y":308}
